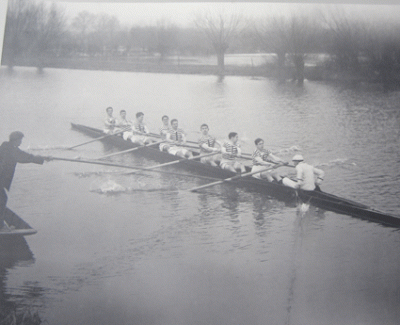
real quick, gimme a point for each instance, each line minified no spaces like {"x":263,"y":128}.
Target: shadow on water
{"x":16,"y":309}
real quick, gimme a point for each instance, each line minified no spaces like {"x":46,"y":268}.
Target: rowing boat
{"x":319,"y":199}
{"x":16,"y":226}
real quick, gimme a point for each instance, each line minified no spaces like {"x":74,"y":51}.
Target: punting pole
{"x":194,"y":189}
{"x":130,"y":167}
{"x":99,"y":138}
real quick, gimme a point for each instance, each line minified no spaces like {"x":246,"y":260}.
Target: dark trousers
{"x":3,"y":203}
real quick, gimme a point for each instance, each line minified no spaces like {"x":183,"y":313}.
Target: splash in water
{"x":337,"y":162}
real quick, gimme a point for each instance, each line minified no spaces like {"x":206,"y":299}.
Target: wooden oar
{"x":180,"y":160}
{"x":176,"y":162}
{"x":159,"y":136}
{"x":99,"y":138}
{"x":129,"y":150}
{"x":130,"y":167}
{"x":194,"y":189}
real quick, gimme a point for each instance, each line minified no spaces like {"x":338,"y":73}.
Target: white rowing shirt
{"x":140,"y":127}
{"x":207,"y":140}
{"x":176,"y":135}
{"x":263,"y":154}
{"x":232,"y":150}
{"x":306,"y":176}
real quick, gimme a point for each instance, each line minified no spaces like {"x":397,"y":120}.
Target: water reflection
{"x":17,"y":309}
{"x":230,"y":201}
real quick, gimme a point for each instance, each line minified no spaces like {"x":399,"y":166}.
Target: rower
{"x":139,"y":130}
{"x":177,"y":136}
{"x":263,"y":158}
{"x":308,"y":177}
{"x":123,"y":123}
{"x":164,"y":130}
{"x":207,"y":143}
{"x":230,"y":152}
{"x":109,"y":122}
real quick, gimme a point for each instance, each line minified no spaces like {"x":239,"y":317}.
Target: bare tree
{"x":49,"y":30}
{"x":19,"y":19}
{"x":220,"y":29}
{"x":166,"y":37}
{"x":293,"y":36}
{"x":83,"y":25}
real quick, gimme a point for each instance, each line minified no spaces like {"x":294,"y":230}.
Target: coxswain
{"x":262,"y":159}
{"x":230,"y":152}
{"x":308,"y":177}
{"x":123,"y":124}
{"x":109,"y":122}
{"x":176,"y":138}
{"x":140,"y":130}
{"x":10,"y":155}
{"x":207,"y":145}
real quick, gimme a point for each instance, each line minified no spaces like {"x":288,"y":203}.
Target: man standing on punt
{"x":308,"y":177}
{"x":10,"y":155}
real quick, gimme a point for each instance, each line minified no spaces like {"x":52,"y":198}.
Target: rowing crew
{"x":174,"y":139}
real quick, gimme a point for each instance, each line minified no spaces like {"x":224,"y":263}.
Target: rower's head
{"x":165,"y":119}
{"x":139,"y":116}
{"x":297,"y":159}
{"x":259,"y":143}
{"x":174,"y":123}
{"x":204,"y":129}
{"x":122,"y":113}
{"x":16,"y":138}
{"x":233,"y":136}
{"x":109,"y":111}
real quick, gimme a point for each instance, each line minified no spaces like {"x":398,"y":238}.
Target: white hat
{"x":298,"y":158}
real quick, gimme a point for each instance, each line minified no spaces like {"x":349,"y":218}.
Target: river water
{"x":142,"y":249}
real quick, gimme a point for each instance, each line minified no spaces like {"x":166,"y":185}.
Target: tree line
{"x":370,"y":49}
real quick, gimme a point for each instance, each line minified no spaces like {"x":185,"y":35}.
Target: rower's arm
{"x":320,"y":175}
{"x":299,"y":176}
{"x":275,"y":159}
{"x":109,"y":122}
{"x":223,"y":150}
{"x":183,"y":138}
{"x":168,"y":137}
{"x":261,"y":161}
{"x":239,"y":152}
{"x":206,"y":147}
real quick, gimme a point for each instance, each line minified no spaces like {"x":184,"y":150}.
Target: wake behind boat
{"x":319,"y":199}
{"x":16,"y":227}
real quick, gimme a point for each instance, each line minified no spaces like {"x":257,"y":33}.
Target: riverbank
{"x":243,"y":65}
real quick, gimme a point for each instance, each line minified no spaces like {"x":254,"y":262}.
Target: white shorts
{"x":207,"y":160}
{"x":136,"y":138}
{"x":233,"y":163}
{"x":174,"y":150}
{"x":164,"y":146}
{"x":257,"y":168}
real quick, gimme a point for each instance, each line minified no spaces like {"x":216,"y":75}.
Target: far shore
{"x":312,"y":71}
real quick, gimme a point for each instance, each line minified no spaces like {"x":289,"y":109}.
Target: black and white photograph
{"x":199,"y":163}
